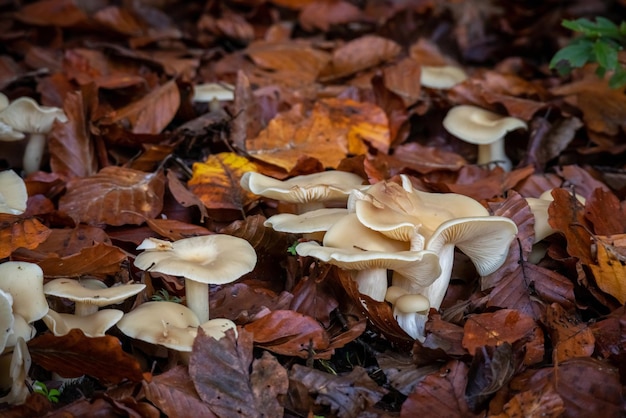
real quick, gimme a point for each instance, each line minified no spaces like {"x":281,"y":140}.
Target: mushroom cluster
{"x":25,"y":119}
{"x":395,"y":227}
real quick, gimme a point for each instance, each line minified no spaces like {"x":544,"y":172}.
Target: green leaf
{"x":577,"y":54}
{"x":618,"y":79}
{"x":601,"y":27}
{"x":605,"y":54}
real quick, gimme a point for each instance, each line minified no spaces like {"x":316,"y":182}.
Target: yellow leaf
{"x":610,"y":273}
{"x":216,"y":181}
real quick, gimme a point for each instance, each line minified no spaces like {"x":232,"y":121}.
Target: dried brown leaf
{"x":262,"y":238}
{"x":566,"y":215}
{"x":269,"y":382}
{"x":173,"y":392}
{"x":72,"y":152}
{"x":68,"y":241}
{"x":610,"y":271}
{"x":175,"y":230}
{"x":324,"y":14}
{"x":544,"y":402}
{"x":490,"y":370}
{"x":96,"y":259}
{"x":291,"y":56}
{"x":570,"y":337}
{"x":314,"y":298}
{"x":114,"y":196}
{"x":289,"y":333}
{"x":604,"y":211}
{"x":346,"y":395}
{"x":17,"y":232}
{"x":74,"y":355}
{"x":61,"y":13}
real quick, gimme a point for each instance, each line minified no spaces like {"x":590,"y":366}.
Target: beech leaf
{"x":16,"y":232}
{"x":571,"y":338}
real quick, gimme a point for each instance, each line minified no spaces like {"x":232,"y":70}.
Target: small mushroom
{"x":89,"y":295}
{"x":441,"y":76}
{"x":313,"y":224}
{"x":18,"y":374}
{"x":26,"y":117}
{"x":539,"y":207}
{"x":351,"y":246}
{"x":24,"y":281}
{"x":202,"y":260}
{"x":92,"y":325}
{"x":486,"y":129}
{"x":308,"y":191}
{"x":13,"y":193}
{"x":207,"y":92}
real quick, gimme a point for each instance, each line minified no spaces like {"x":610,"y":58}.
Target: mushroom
{"x":486,"y":129}
{"x":441,"y":76}
{"x":308,"y":191}
{"x":539,"y":207}
{"x":170,"y":324}
{"x":13,"y":194}
{"x":202,"y":260}
{"x":436,"y":223}
{"x":351,"y":246}
{"x":18,"y":374}
{"x":92,"y":325}
{"x":313,"y":224}
{"x":6,"y":318}
{"x":89,"y":294}
{"x":24,"y":281}
{"x":207,"y":92}
{"x":25,"y":116}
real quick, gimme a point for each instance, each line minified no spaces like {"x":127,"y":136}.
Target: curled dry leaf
{"x":490,"y":370}
{"x":262,"y":238}
{"x":74,"y":355}
{"x":610,"y":271}
{"x":299,"y":57}
{"x":98,"y":259}
{"x":17,"y":232}
{"x":346,"y":395}
{"x":571,"y":338}
{"x":544,"y":402}
{"x":114,"y":196}
{"x":289,"y":333}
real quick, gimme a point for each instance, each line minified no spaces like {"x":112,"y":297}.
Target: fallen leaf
{"x":173,"y":392}
{"x":604,"y":211}
{"x":96,"y":259}
{"x":571,"y":337}
{"x":610,"y":272}
{"x":114,"y":196}
{"x":346,"y":395}
{"x":17,"y":232}
{"x":490,"y":370}
{"x":74,"y":355}
{"x":263,"y":239}
{"x":292,"y":56}
{"x":544,"y":402}
{"x":175,"y":230}
{"x":289,"y":333}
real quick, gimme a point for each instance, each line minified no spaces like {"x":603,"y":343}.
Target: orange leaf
{"x":298,"y":57}
{"x":74,"y":355}
{"x":97,"y":259}
{"x":16,"y":232}
{"x":505,"y":325}
{"x":610,"y":272}
{"x":571,"y":339}
{"x":175,"y":230}
{"x":335,"y":128}
{"x":114,"y":196}
{"x":566,"y":215}
{"x":216,"y":181}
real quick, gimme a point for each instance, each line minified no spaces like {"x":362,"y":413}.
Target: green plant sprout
{"x":51,"y":394}
{"x":292,"y":248}
{"x":600,"y":42}
{"x":163,"y":296}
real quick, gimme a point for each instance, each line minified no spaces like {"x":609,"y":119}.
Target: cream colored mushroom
{"x":92,"y":325}
{"x":89,"y":295}
{"x":24,"y":281}
{"x":308,"y":191}
{"x":312,"y":225}
{"x":13,"y":193}
{"x":441,"y":76}
{"x":486,"y":129}
{"x":203,"y":260}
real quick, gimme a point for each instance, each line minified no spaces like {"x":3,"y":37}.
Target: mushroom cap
{"x":350,"y":234}
{"x":4,"y":101}
{"x":25,"y":115}
{"x":308,"y":222}
{"x":484,"y":239}
{"x":318,"y":187}
{"x":207,"y":92}
{"x":169,"y":324}
{"x":210,"y":259}
{"x":81,"y":292}
{"x":412,"y":303}
{"x":217,"y":327}
{"x":6,"y":318}
{"x":479,"y":126}
{"x":441,"y":77}
{"x":94,"y":325}
{"x":13,"y":193}
{"x":400,"y":211}
{"x":21,"y":329}
{"x":24,"y":281}
{"x":394,"y":292}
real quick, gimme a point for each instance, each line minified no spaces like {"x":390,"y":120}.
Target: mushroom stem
{"x":490,"y":153}
{"x":84,"y":309}
{"x":412,"y":323}
{"x":33,"y":154}
{"x":197,"y":296}
{"x":373,"y":283}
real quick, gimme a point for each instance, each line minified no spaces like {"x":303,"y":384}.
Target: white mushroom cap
{"x":27,"y":116}
{"x":479,"y":126}
{"x":441,"y":77}
{"x":207,"y":92}
{"x":82,"y":292}
{"x":4,"y":101}
{"x":412,"y":303}
{"x":306,"y":189}
{"x":165,"y":323}
{"x":308,"y":222}
{"x":13,"y":193}
{"x":93,"y":325}
{"x":6,"y":318}
{"x":21,"y":329}
{"x":209,"y":259}
{"x":24,"y":281}
{"x":394,"y":292}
